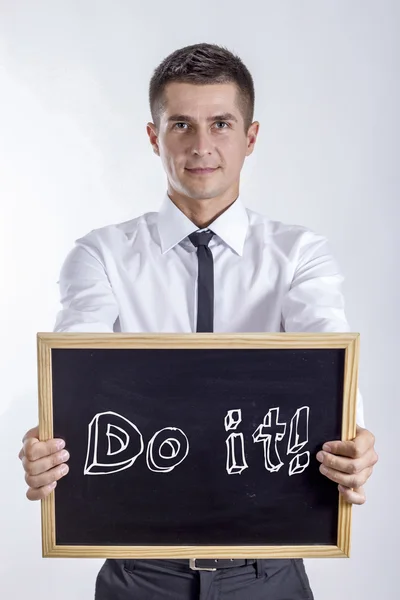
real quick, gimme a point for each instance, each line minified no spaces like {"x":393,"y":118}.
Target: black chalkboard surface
{"x":188,"y":445}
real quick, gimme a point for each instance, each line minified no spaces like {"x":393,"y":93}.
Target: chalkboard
{"x":196,"y":445}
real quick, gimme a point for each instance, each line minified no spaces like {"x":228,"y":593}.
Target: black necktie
{"x":205,"y":280}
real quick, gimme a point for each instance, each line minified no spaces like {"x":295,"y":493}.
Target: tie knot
{"x":201,"y":238}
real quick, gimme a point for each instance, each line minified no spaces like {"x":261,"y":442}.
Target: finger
{"x":350,"y":481}
{"x":33,"y":449}
{"x":43,"y":465}
{"x":356,"y":496}
{"x":347,"y":465}
{"x":40,"y":493}
{"x":47,"y":478}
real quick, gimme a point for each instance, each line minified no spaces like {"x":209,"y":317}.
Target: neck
{"x":202,"y":212}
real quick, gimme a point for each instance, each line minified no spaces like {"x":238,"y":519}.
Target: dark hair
{"x":202,"y":64}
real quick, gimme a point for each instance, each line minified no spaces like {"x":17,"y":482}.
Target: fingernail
{"x":63,"y":469}
{"x":326,"y":447}
{"x":60,"y":444}
{"x":64,"y":455}
{"x":52,"y":485}
{"x":320,"y":456}
{"x":323,"y":469}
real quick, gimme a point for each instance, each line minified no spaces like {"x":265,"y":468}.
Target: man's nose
{"x":201,"y":143}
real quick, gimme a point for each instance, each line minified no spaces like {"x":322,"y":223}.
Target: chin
{"x":202,"y":195}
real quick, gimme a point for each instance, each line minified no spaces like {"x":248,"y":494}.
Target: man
{"x":157,"y":273}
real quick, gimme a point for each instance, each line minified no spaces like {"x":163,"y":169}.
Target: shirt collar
{"x":174,"y":226}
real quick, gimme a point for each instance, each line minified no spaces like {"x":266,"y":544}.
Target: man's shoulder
{"x":281,"y":231}
{"x":119,"y":231}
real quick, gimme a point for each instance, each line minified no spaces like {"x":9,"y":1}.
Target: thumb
{"x":32,"y":433}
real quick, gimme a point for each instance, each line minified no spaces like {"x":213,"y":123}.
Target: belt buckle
{"x":192,"y":565}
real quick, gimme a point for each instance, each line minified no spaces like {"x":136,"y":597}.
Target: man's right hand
{"x":44,"y":463}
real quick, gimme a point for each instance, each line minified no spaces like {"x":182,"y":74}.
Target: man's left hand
{"x":350,"y":464}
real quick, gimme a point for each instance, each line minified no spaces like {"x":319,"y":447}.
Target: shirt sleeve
{"x":87,"y":299}
{"x":314,"y":301}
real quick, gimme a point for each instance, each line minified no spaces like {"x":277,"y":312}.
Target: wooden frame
{"x":347,"y":341}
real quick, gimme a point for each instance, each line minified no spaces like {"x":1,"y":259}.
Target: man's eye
{"x":219,"y":122}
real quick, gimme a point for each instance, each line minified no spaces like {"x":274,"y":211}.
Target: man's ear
{"x":252,"y":137}
{"x":153,"y":136}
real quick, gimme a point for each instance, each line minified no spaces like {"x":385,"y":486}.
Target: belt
{"x":212,"y":564}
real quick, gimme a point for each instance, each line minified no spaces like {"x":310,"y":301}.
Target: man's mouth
{"x":199,"y":171}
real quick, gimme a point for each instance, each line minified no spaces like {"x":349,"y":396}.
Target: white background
{"x":74,"y":155}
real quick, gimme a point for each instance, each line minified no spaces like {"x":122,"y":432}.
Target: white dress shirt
{"x":141,"y":276}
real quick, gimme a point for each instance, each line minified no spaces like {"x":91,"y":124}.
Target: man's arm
{"x":87,"y":299}
{"x":88,"y":305}
{"x":315,"y":303}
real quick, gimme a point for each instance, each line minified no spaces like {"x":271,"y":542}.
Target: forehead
{"x":200,"y":100}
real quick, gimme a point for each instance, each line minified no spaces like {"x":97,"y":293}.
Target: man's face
{"x":202,"y":127}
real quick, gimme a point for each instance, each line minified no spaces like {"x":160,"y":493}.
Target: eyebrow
{"x":224,"y":117}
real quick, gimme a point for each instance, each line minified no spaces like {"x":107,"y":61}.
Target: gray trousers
{"x":270,"y":579}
